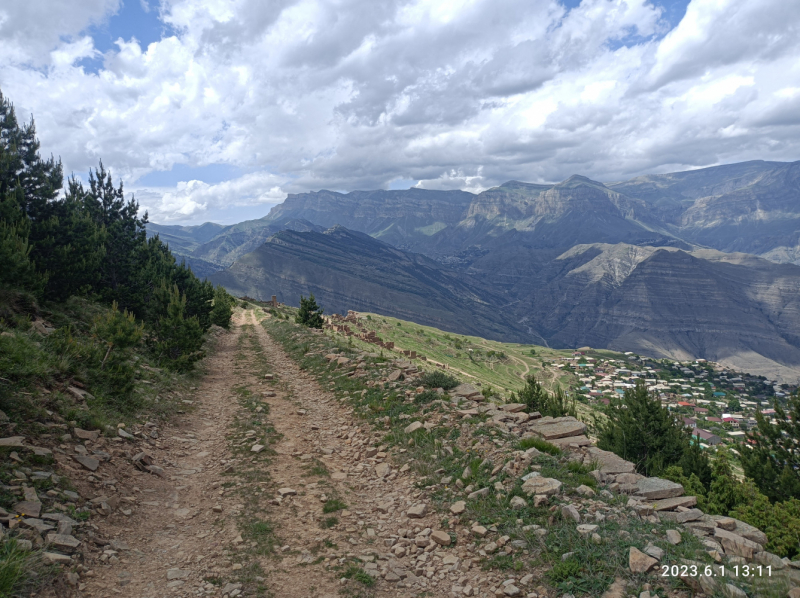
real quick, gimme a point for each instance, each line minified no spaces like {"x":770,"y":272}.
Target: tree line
{"x":58,"y":241}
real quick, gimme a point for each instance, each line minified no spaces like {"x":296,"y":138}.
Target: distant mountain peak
{"x":577,"y":180}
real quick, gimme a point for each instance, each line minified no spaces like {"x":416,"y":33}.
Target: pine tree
{"x":178,"y":338}
{"x":222,"y":308}
{"x":774,"y":461}
{"x":119,"y":332}
{"x":309,"y":313}
{"x":725,"y":492}
{"x":537,"y":399}
{"x":640,"y":430}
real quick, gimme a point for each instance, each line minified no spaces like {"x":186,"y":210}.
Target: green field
{"x":503,"y":366}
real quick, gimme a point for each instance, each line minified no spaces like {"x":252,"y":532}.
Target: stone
{"x":607,"y":462}
{"x":478,"y":494}
{"x":458,"y":507}
{"x":29,"y":508}
{"x":123,"y":434}
{"x":542,"y":486}
{"x":654,"y":551}
{"x":745,"y":530}
{"x":540,"y":500}
{"x":769,"y":559}
{"x":616,"y":589}
{"x":513,"y":407}
{"x":570,"y":512}
{"x":287,"y":492}
{"x":691,"y":515}
{"x":383,"y":469}
{"x":673,"y":536}
{"x":479,"y":530}
{"x":441,"y":538}
{"x":256,"y":448}
{"x":670,"y":504}
{"x":15,"y":441}
{"x":518,"y":503}
{"x":88,"y":462}
{"x":585,"y":491}
{"x":63,"y":542}
{"x":657,"y":488}
{"x":86,"y":434}
{"x":737,"y":545}
{"x":177,"y":574}
{"x":559,"y":427}
{"x":417,"y":511}
{"x":512,"y":590}
{"x":586,"y":529}
{"x":564,"y":443}
{"x":55,"y":558}
{"x":731,"y":591}
{"x":413,"y":427}
{"x":490,"y":548}
{"x":727,"y":523}
{"x":465,"y":390}
{"x":156,"y":470}
{"x":639,"y":562}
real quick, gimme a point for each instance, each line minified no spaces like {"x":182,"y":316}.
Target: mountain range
{"x":704,"y":263}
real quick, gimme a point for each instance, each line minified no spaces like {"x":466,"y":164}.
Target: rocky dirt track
{"x":185,"y":536}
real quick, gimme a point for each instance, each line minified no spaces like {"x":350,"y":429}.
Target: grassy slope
{"x":503,"y":374}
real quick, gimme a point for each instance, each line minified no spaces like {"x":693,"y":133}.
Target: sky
{"x":215,"y":110}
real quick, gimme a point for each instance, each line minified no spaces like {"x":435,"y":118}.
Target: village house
{"x":706,"y":436}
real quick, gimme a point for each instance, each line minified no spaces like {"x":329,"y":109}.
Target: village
{"x":717,"y":403}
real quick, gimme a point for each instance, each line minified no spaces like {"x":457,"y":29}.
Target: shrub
{"x":426,"y":397}
{"x":564,"y":570}
{"x":438,"y":380}
{"x":333,"y":505}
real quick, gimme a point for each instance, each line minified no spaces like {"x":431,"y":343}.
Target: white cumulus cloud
{"x":356,"y":94}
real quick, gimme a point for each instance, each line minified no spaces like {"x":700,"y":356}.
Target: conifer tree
{"x":640,"y":430}
{"x":774,"y":461}
{"x":222,"y":308}
{"x":309,"y":313}
{"x":178,"y":338}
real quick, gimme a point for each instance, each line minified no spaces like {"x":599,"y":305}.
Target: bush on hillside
{"x":537,"y":399}
{"x":438,"y":379}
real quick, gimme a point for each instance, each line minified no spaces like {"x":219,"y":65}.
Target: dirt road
{"x":216,"y":519}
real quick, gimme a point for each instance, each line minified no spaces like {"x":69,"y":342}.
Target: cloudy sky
{"x":216,"y":109}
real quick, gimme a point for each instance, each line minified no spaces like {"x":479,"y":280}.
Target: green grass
{"x":356,"y":573}
{"x":333,"y":505}
{"x":329,"y":522}
{"x":20,"y":570}
{"x":501,"y":365}
{"x":539,"y":445}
